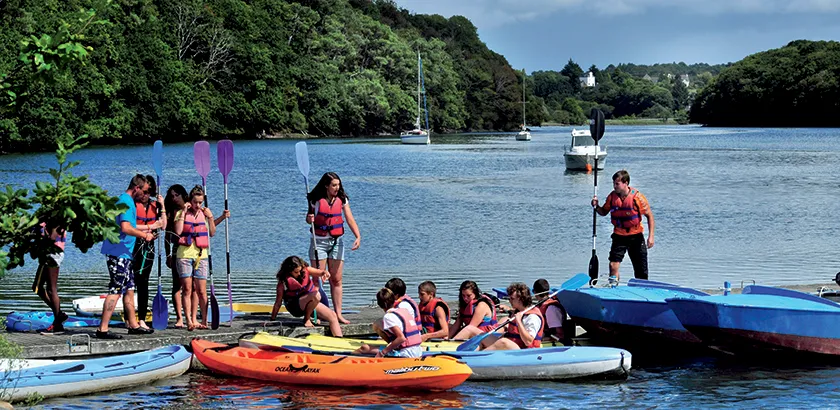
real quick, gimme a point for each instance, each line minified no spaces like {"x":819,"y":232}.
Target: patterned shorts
{"x":122,"y":276}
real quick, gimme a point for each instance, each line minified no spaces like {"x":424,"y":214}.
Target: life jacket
{"x":427,"y":314}
{"x":554,"y":331}
{"x":146,"y":214}
{"x":194,"y":230}
{"x":512,"y":332}
{"x":294,"y":288}
{"x":413,"y":306}
{"x":411,"y":330}
{"x":467,"y":313}
{"x":59,"y":240}
{"x":328,"y":218}
{"x":623,"y":213}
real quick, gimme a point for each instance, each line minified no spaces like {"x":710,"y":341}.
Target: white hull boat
{"x":580,"y":155}
{"x":419,"y":136}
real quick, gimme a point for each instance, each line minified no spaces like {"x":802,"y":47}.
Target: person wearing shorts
{"x":118,"y":259}
{"x":296,"y":290}
{"x":194,"y":225}
{"x":46,"y":277}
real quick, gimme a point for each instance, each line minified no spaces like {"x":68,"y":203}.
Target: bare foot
{"x":342,"y":320}
{"x":143,"y":324}
{"x":308,"y":323}
{"x":179,"y":324}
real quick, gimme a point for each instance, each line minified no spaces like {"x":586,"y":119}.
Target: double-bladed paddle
{"x":224,"y":156}
{"x":596,"y":129}
{"x":302,"y":155}
{"x":201,"y":155}
{"x":160,"y":306}
{"x":575,"y":282}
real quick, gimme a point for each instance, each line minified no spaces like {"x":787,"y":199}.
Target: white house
{"x":684,"y":79}
{"x":588,"y":80}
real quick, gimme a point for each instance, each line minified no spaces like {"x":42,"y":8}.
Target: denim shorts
{"x":122,"y":276}
{"x":328,"y":248}
{"x":187,"y":268}
{"x":54,"y":259}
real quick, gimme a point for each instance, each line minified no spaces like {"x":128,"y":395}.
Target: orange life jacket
{"x":413,"y":306}
{"x":328,"y":218}
{"x":294,"y":288}
{"x":411,"y":330}
{"x":554,"y":331}
{"x":467,"y":312}
{"x":146,"y":214}
{"x":512,"y":332}
{"x":194,"y":230}
{"x":427,"y":314}
{"x":623,"y":213}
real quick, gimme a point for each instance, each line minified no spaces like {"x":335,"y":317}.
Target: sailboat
{"x":524,"y":133}
{"x":418,"y":135}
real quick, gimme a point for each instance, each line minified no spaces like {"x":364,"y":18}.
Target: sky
{"x":545,"y":34}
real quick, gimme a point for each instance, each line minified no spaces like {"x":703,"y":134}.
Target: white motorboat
{"x":524,"y":134}
{"x":418,"y":135}
{"x":580,"y":155}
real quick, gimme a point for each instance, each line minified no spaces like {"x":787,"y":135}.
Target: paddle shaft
{"x":227,"y":256}
{"x":214,"y":304}
{"x":157,"y":240}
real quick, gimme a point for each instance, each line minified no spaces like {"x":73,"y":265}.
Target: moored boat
{"x":38,"y":321}
{"x":419,"y":135}
{"x":333,"y":344}
{"x":427,"y":373}
{"x":580,"y":155}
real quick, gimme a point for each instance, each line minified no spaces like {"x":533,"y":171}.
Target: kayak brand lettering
{"x":292,"y":369}
{"x":409,"y":369}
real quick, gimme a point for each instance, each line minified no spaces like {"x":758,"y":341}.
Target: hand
{"x":160,"y":201}
{"x":517,"y":318}
{"x":207,"y":213}
{"x":326,"y":275}
{"x":186,"y":206}
{"x":650,"y":242}
{"x":595,"y":201}
{"x":155,"y":225}
{"x":356,"y":244}
{"x":380,"y":354}
{"x":169,"y":261}
{"x":226,"y":214}
{"x":310,"y":218}
{"x":149,"y":236}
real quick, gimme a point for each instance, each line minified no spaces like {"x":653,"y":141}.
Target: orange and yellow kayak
{"x":427,"y":373}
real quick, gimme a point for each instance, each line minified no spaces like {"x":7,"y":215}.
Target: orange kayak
{"x":427,"y":373}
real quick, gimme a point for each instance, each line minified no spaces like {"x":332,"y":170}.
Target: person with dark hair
{"x":46,"y":277}
{"x":552,"y":311}
{"x":434,"y":312}
{"x":626,"y":206}
{"x":476,"y":313}
{"x":151,"y":216}
{"x":525,"y":331}
{"x":401,"y":331}
{"x":403,"y":301}
{"x":328,"y":207}
{"x":119,"y":258}
{"x":176,"y":197}
{"x":296,"y":289}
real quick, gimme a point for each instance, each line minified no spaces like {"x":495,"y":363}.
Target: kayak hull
{"x":333,"y":344}
{"x":38,"y":321}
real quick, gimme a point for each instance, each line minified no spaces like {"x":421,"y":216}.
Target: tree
{"x":573,"y":72}
{"x":680,"y":94}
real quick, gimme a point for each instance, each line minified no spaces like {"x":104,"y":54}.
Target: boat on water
{"x":333,"y":344}
{"x":524,"y":133}
{"x":93,"y":375}
{"x":426,"y":373}
{"x":419,"y":135}
{"x":762,"y":320}
{"x":580,"y":155}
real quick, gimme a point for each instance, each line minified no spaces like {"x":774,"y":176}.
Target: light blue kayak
{"x":38,"y":321}
{"x":95,"y":375}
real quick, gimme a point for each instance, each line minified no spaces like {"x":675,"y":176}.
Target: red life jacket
{"x":427,"y":314}
{"x":413,"y":306}
{"x":328,"y":218}
{"x":146,"y":215}
{"x":623,"y":213}
{"x":411,"y":330}
{"x":294,"y":289}
{"x":512,"y":332}
{"x":467,"y":313}
{"x":554,"y":331}
{"x":194,"y":230}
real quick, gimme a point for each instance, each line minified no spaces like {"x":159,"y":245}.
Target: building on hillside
{"x":654,"y":79}
{"x":684,"y":79}
{"x":588,"y":80}
{"x":670,"y":76}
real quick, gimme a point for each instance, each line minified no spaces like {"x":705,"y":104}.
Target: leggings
{"x":142,"y":266}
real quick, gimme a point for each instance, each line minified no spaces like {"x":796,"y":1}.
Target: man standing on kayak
{"x":626,"y":205}
{"x":119,"y":256}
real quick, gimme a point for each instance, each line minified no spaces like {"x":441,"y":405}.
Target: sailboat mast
{"x":418,"y":88}
{"x":423,"y":87}
{"x":523,"y":99}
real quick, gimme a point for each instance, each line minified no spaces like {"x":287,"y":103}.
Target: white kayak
{"x":92,"y":305}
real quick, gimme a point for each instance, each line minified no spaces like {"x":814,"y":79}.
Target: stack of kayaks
{"x":38,"y":321}
{"x":547,"y":363}
{"x":94,"y":375}
{"x":428,"y":373}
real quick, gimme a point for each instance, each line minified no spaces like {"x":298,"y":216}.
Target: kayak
{"x":427,"y":373}
{"x":38,"y":321}
{"x":92,"y":305}
{"x":7,"y":365}
{"x":96,"y":375}
{"x":332,"y":344}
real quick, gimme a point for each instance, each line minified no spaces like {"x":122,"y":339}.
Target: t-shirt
{"x":124,"y":247}
{"x":392,"y":320}
{"x":532,"y":323}
{"x":404,"y":305}
{"x":192,"y":251}
{"x":554,"y":317}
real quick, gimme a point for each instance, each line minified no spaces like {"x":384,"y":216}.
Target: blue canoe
{"x":39,"y":321}
{"x":628,"y":314}
{"x":96,"y":375}
{"x":762,"y":319}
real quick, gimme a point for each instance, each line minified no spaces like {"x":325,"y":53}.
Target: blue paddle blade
{"x":302,"y":153}
{"x":201,"y":155}
{"x":224,"y":156}
{"x":160,"y":311}
{"x":157,"y":157}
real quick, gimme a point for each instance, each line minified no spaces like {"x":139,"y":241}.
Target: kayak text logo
{"x":292,"y":369}
{"x":409,"y":369}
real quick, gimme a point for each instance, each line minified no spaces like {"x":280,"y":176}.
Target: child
{"x":552,"y":311}
{"x":296,"y":289}
{"x":46,"y":277}
{"x":401,"y":331}
{"x":476,"y":313}
{"x":194,"y":226}
{"x":397,"y":286}
{"x":434,"y":312}
{"x":525,"y":331}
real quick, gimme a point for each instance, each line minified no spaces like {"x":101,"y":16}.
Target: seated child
{"x":401,"y":331}
{"x":403,"y":301}
{"x":476,"y":313}
{"x":434,"y":312}
{"x":525,"y":330}
{"x":296,"y":290}
{"x":552,"y":311}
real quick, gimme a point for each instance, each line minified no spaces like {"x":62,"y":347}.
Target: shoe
{"x":140,"y":331}
{"x":61,"y":317}
{"x":53,"y":330}
{"x":107,"y":335}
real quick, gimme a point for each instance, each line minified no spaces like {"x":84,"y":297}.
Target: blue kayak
{"x":96,"y":375}
{"x":39,"y":321}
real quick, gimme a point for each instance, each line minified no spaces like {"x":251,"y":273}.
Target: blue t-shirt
{"x":124,"y":248}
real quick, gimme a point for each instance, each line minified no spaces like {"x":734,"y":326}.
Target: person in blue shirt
{"x":119,"y":257}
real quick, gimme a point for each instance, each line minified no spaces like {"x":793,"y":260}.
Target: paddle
{"x":201,"y":155}
{"x":596,"y":128}
{"x":160,"y":306}
{"x":575,"y":282}
{"x":302,"y":154}
{"x":224,"y":155}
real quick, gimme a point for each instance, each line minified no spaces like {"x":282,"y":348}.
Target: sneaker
{"x":61,"y":317}
{"x":107,"y":335}
{"x":140,"y":331}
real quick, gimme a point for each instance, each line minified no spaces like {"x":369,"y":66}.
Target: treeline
{"x":794,"y":86}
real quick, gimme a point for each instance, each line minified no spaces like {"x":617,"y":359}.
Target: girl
{"x":402,"y":332}
{"x":434,"y":312}
{"x":194,"y":226}
{"x":176,"y":197}
{"x":476,"y":313}
{"x":46,"y":277}
{"x":144,"y":251}
{"x":327,"y":204}
{"x":525,"y":331}
{"x":296,"y":289}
